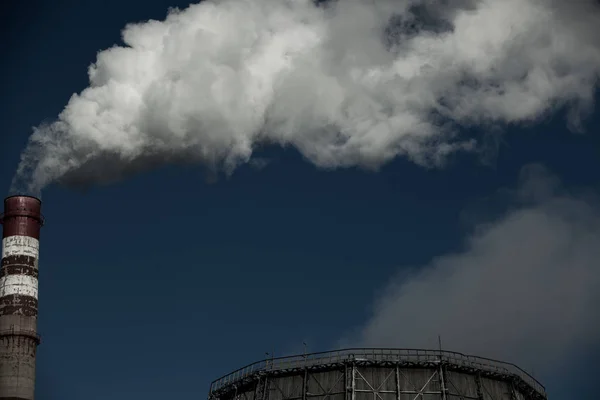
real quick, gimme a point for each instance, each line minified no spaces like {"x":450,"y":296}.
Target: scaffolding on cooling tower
{"x":347,"y":379}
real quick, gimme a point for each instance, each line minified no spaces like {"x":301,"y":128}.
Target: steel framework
{"x":378,"y":374}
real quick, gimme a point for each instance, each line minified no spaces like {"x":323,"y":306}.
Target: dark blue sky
{"x":152,"y":287}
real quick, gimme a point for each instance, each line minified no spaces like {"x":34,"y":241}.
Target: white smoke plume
{"x":523,"y":289}
{"x":347,"y":83}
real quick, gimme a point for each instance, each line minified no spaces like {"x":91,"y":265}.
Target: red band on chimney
{"x":22,"y":217}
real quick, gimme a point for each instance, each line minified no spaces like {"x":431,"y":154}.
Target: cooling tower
{"x":378,"y":374}
{"x":22,"y":220}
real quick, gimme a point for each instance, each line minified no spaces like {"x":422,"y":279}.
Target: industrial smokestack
{"x":22,"y":220}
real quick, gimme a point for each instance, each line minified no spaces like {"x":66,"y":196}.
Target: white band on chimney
{"x":25,"y":285}
{"x":20,"y":246}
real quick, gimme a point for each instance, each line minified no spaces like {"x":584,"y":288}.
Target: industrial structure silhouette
{"x":22,"y":220}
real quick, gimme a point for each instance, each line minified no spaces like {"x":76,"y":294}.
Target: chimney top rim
{"x":22,"y":195}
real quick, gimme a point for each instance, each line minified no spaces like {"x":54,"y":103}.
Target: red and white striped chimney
{"x":22,"y":220}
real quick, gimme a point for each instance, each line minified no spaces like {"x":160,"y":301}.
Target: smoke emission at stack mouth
{"x":352,"y":83}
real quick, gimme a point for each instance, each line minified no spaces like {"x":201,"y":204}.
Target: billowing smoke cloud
{"x":524,"y":289}
{"x":348,"y":83}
